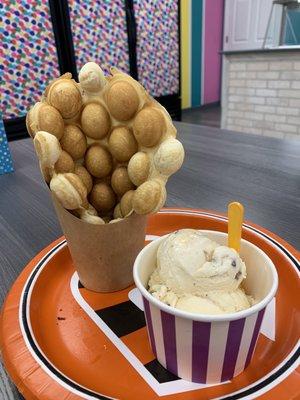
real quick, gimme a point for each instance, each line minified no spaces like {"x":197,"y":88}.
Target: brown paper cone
{"x":103,"y":255}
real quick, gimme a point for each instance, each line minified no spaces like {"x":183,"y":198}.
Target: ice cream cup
{"x":207,"y":348}
{"x":103,"y":255}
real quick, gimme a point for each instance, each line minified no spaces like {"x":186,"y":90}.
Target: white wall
{"x":245,"y":23}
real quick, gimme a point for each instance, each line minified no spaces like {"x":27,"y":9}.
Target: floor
{"x":209,"y":116}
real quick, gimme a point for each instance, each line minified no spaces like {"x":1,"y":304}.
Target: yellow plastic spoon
{"x":235,"y":221}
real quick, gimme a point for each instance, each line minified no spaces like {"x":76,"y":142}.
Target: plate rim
{"x":39,"y":258}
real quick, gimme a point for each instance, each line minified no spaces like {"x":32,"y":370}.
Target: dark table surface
{"x":220,"y":166}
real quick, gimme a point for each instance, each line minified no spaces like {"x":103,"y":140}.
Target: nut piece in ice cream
{"x":43,"y":117}
{"x":138,"y":168}
{"x":95,"y":121}
{"x":216,"y":302}
{"x":69,"y":190}
{"x":98,"y":161}
{"x":122,"y":100}
{"x":73,"y":142}
{"x":122,"y":144}
{"x":148,"y":126}
{"x":148,"y":197}
{"x":91,"y":77}
{"x":85,"y":176}
{"x":102,"y":197}
{"x":120,"y":181}
{"x":65,"y":96}
{"x":169,"y":156}
{"x":47,"y":148}
{"x":126,"y":203}
{"x":65,"y":163}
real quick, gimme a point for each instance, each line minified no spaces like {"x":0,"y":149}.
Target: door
{"x":245,"y":23}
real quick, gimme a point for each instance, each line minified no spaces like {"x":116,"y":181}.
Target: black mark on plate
{"x":123,"y":318}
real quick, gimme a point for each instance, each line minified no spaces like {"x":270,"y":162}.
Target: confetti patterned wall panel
{"x":28,"y":58}
{"x":157,"y":45}
{"x":99,"y":33}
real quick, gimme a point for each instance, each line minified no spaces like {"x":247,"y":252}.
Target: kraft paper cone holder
{"x":103,"y":255}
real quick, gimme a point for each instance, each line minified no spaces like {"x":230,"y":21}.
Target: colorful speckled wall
{"x":99,"y":33}
{"x":157,"y":45}
{"x":201,"y":42}
{"x":28,"y":58}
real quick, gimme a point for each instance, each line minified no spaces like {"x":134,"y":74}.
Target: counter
{"x":261,"y":91}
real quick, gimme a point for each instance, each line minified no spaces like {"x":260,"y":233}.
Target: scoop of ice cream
{"x":198,"y":275}
{"x":189,"y":262}
{"x":215,"y":302}
{"x":197,"y":304}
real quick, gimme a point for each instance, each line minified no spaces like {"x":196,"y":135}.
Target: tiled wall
{"x":261,"y":93}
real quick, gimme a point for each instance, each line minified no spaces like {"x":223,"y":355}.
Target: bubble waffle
{"x":106,"y":147}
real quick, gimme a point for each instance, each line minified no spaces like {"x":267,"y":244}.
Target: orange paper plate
{"x":60,"y":341}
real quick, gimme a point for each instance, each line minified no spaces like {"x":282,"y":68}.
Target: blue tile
{"x":6,"y":164}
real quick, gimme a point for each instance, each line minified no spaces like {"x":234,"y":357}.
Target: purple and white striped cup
{"x":207,"y":348}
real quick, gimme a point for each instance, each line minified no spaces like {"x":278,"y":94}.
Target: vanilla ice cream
{"x":196,"y":274}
